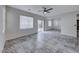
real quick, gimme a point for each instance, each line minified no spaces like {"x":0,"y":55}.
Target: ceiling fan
{"x":45,"y":10}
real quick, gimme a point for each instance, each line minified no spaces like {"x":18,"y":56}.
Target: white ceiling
{"x":58,"y":9}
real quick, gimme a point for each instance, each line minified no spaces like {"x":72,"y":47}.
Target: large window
{"x":49,"y":23}
{"x":26,"y":22}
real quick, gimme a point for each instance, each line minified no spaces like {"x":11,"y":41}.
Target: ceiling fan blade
{"x":48,"y":12}
{"x":50,"y":9}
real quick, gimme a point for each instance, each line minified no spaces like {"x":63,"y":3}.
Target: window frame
{"x":49,"y":23}
{"x":26,"y":22}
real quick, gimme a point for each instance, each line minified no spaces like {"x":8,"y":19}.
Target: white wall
{"x":2,"y":27}
{"x":13,"y":20}
{"x":67,"y":22}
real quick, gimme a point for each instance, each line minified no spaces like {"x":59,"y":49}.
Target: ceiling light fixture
{"x":45,"y":12}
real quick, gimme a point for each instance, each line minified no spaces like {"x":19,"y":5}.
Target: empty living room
{"x":39,"y":28}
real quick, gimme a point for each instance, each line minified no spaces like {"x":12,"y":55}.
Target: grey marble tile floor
{"x":43,"y":42}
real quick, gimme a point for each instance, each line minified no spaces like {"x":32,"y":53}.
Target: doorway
{"x":40,"y":25}
{"x":77,"y":41}
{"x":77,"y":28}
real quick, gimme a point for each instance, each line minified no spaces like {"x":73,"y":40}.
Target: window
{"x":49,"y":23}
{"x":26,"y":22}
{"x":55,"y":22}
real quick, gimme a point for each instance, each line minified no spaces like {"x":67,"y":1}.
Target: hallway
{"x":43,"y":42}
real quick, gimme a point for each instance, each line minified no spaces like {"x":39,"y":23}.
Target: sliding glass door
{"x":40,"y":25}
